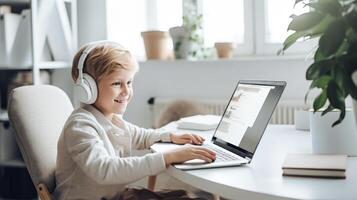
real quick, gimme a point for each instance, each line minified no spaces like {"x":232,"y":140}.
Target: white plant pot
{"x":341,"y":139}
{"x":301,"y":120}
{"x":181,"y":43}
{"x":354,"y":103}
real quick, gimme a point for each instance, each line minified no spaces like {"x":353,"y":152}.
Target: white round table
{"x":262,"y":178}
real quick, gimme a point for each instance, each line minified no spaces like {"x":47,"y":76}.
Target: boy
{"x":94,"y":150}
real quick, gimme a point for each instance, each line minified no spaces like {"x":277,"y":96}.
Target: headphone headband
{"x":85,"y":53}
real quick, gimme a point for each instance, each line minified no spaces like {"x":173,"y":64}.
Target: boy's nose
{"x":125,"y":90}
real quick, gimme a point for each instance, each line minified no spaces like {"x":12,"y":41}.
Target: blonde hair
{"x":103,"y":59}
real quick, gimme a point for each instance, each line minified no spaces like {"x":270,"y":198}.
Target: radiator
{"x":283,"y":114}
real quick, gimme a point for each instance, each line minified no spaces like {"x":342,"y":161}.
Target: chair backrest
{"x":37,"y":114}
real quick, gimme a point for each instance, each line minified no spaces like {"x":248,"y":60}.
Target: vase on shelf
{"x":157,"y":45}
{"x":225,"y":50}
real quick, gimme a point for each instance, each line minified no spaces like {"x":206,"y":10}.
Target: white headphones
{"x":85,"y":86}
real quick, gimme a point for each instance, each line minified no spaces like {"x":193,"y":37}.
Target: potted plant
{"x":188,"y":39}
{"x":334,"y":65}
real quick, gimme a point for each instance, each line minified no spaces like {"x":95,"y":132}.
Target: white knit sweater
{"x":94,"y":155}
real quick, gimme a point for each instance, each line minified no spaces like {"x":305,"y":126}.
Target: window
{"x":257,"y":27}
{"x":272,"y":20}
{"x":125,"y":21}
{"x":223,"y":21}
{"x":277,"y":19}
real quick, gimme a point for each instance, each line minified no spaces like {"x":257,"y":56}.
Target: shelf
{"x":41,"y":65}
{"x":21,"y":2}
{"x":9,"y":67}
{"x":54,"y":65}
{"x":12,"y":163}
{"x":4,"y":116}
{"x":235,"y":59}
{"x":14,"y":2}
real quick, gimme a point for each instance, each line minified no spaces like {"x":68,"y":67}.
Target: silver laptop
{"x":241,"y":126}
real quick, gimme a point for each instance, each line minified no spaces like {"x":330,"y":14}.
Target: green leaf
{"x":342,"y":116}
{"x":352,"y":49}
{"x":319,"y":55}
{"x":321,"y":82}
{"x":320,"y":27}
{"x":318,"y":69}
{"x":339,"y":75}
{"x":333,"y":37}
{"x":335,"y":95}
{"x":332,"y":7}
{"x":351,"y":88}
{"x":350,"y":65}
{"x":305,"y":21}
{"x":343,"y":48}
{"x":351,"y":17}
{"x":291,"y":39}
{"x":320,"y":101}
{"x":328,"y":109}
{"x":315,"y":31}
{"x":337,"y":100}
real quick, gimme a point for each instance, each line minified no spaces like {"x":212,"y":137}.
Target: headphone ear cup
{"x":91,"y":87}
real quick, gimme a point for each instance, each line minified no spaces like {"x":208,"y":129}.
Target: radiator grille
{"x":283,"y":114}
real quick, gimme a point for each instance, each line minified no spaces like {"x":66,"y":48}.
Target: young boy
{"x":94,"y":158}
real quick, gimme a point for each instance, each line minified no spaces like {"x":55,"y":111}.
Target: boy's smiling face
{"x":115,"y":92}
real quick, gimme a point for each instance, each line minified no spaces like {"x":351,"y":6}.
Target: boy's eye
{"x":116,"y":84}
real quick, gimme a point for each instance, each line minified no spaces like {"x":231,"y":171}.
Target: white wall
{"x":210,"y":79}
{"x":92,"y":19}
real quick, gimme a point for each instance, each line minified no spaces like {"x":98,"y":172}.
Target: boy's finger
{"x":194,"y":139}
{"x":201,"y":138}
{"x":204,"y":158}
{"x":198,"y":139}
{"x":206,"y":154}
{"x":206,"y":150}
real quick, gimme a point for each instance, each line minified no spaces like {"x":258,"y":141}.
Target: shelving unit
{"x":35,"y":67}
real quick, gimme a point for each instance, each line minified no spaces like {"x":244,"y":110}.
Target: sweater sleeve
{"x":143,"y":138}
{"x":88,"y":151}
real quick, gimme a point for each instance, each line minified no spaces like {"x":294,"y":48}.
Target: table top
{"x":262,"y":178}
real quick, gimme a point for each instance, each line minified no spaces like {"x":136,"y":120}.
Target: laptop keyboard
{"x":221,"y":156}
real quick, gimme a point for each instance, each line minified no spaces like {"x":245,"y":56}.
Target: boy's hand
{"x":186,"y":138}
{"x":188,"y":152}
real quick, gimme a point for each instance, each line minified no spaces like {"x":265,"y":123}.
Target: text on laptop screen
{"x":247,"y":115}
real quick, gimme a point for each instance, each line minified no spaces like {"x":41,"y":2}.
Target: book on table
{"x":199,"y":122}
{"x":315,"y":165}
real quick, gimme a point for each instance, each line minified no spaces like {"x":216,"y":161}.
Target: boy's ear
{"x":86,"y":89}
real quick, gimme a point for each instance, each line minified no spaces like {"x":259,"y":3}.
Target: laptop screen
{"x":247,"y":115}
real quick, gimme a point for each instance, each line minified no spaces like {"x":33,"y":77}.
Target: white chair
{"x":37,"y":114}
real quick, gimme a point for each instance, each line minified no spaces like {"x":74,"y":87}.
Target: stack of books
{"x":313,"y":165}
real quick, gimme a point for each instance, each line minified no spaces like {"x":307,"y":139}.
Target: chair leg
{"x":151,"y":183}
{"x":216,"y":197}
{"x":43,"y":192}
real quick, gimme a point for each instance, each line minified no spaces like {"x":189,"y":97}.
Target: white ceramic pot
{"x":301,"y":120}
{"x":341,"y":139}
{"x":354,"y":103}
{"x":180,"y":42}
